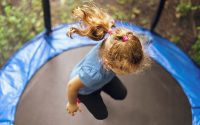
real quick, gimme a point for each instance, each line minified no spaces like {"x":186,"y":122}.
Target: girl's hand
{"x":71,"y":109}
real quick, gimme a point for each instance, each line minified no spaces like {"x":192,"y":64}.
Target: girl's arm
{"x":72,"y":89}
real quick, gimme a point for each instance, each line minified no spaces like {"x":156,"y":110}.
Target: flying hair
{"x":95,"y":21}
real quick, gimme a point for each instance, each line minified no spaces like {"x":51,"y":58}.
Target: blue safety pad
{"x":16,"y":73}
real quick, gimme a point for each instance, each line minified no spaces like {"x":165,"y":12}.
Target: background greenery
{"x":21,"y":20}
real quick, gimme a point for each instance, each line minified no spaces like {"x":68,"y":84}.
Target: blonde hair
{"x":126,"y":57}
{"x":94,"y":19}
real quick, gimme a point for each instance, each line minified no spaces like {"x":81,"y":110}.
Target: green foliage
{"x":121,"y":1}
{"x":117,"y":13}
{"x":17,"y":25}
{"x":144,"y":21}
{"x":198,"y":28}
{"x":184,"y":8}
{"x":135,"y":12}
{"x":66,"y":9}
{"x":175,"y":39}
{"x":195,"y":51}
{"x":120,"y":15}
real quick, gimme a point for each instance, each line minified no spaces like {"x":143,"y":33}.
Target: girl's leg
{"x":115,"y":89}
{"x":94,"y":104}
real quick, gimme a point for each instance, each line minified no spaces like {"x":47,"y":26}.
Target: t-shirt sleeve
{"x":89,"y":75}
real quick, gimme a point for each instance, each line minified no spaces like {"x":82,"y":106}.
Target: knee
{"x":101,"y":116}
{"x":122,"y":95}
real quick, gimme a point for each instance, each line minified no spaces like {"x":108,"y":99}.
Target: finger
{"x":67,"y":34}
{"x":71,"y":36}
{"x":68,"y":111}
{"x":79,"y":110}
{"x":72,"y":113}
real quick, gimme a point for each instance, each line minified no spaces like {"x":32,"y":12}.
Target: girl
{"x":120,"y":53}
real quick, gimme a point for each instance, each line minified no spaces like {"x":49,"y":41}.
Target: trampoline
{"x":33,"y":82}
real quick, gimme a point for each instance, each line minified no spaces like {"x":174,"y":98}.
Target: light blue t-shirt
{"x":91,"y":72}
